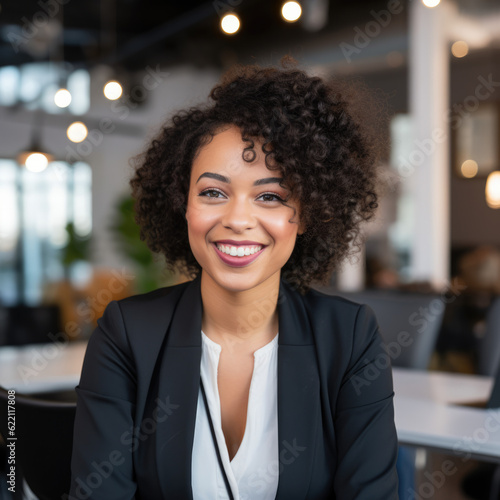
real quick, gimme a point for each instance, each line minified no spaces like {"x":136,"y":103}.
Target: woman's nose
{"x":238,"y":215}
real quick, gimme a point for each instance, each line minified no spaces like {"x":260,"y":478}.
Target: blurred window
{"x":401,"y":231}
{"x":34,"y":211}
{"x":35,"y":84}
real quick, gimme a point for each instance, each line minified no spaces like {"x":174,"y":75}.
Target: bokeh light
{"x":291,"y":11}
{"x":36,"y":162}
{"x":493,"y":190}
{"x":460,"y":49}
{"x":77,"y":132}
{"x":469,"y":169}
{"x":113,"y":90}
{"x":62,"y":98}
{"x":431,"y":3}
{"x":230,"y":24}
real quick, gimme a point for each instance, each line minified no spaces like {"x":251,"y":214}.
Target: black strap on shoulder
{"x":226,"y":481}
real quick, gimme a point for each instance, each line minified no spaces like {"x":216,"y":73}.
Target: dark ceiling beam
{"x":138,"y":44}
{"x":172,"y":27}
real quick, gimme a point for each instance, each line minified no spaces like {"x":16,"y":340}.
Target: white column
{"x":351,"y":276}
{"x":429,"y":103}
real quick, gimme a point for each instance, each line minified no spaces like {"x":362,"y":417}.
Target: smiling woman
{"x":304,"y":132}
{"x":234,"y":221}
{"x":244,"y":382}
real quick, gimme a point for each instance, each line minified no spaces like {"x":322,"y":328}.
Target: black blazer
{"x":138,"y":394}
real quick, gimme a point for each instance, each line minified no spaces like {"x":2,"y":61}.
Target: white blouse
{"x":253,"y":471}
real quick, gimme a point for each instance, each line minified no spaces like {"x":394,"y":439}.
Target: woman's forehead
{"x":255,"y":173}
{"x":229,"y":155}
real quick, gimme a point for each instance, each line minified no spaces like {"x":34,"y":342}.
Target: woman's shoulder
{"x":351,"y":321}
{"x":341,"y":325}
{"x":154,"y":295}
{"x":153,"y":308}
{"x":150,"y":303}
{"x":321,"y":300}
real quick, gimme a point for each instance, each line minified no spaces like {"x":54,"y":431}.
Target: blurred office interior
{"x":67,"y":237}
{"x":84,"y":85}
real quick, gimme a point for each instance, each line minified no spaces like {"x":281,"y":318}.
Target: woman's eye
{"x":271,"y":197}
{"x":215,"y":193}
{"x":211,"y":193}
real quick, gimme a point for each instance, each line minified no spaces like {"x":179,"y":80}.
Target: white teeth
{"x":239,"y":251}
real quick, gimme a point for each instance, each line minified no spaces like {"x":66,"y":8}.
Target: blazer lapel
{"x":179,"y":383}
{"x":298,"y":395}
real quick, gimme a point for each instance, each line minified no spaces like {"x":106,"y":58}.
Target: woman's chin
{"x":236,"y":282}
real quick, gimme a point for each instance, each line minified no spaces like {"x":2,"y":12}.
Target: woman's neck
{"x":240,"y":320}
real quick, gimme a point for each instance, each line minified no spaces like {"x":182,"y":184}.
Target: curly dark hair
{"x":308,"y":133}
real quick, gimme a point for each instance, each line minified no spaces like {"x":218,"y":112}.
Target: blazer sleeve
{"x":367,"y":443}
{"x":101,"y":465}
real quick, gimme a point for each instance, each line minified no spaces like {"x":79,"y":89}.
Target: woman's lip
{"x":237,"y":261}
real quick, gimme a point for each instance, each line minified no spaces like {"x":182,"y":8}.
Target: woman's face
{"x":239,"y":231}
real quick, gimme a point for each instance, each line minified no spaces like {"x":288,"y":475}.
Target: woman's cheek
{"x":201,"y":220}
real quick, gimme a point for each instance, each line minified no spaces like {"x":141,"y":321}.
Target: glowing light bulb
{"x":77,"y":132}
{"x":291,"y":11}
{"x":36,"y":162}
{"x":469,"y":169}
{"x":230,"y":24}
{"x":113,"y":90}
{"x":460,"y":49}
{"x":493,"y":190}
{"x":431,"y":3}
{"x":62,"y":98}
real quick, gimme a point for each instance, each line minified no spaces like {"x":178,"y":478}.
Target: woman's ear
{"x":302,"y":228}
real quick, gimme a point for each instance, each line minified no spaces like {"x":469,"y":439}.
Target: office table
{"x":38,"y":368}
{"x":44,"y":367}
{"x":441,"y":387}
{"x":464,"y":432}
{"x":426,"y":403}
{"x":429,"y":413}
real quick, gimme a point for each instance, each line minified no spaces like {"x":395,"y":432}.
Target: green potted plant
{"x":150,"y":272}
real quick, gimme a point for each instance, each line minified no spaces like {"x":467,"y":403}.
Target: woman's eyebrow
{"x":223,"y":178}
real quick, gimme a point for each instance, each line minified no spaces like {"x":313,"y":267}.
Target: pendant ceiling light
{"x":35,"y":158}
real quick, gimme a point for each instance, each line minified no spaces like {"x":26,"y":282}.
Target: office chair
{"x":44,"y":432}
{"x":30,"y":324}
{"x":489,"y":364}
{"x":489,"y":348}
{"x":4,"y":318}
{"x":420,"y":315}
{"x":486,"y":473}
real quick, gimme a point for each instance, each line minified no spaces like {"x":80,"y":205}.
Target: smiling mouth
{"x":240,"y":250}
{"x":238,"y":256}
